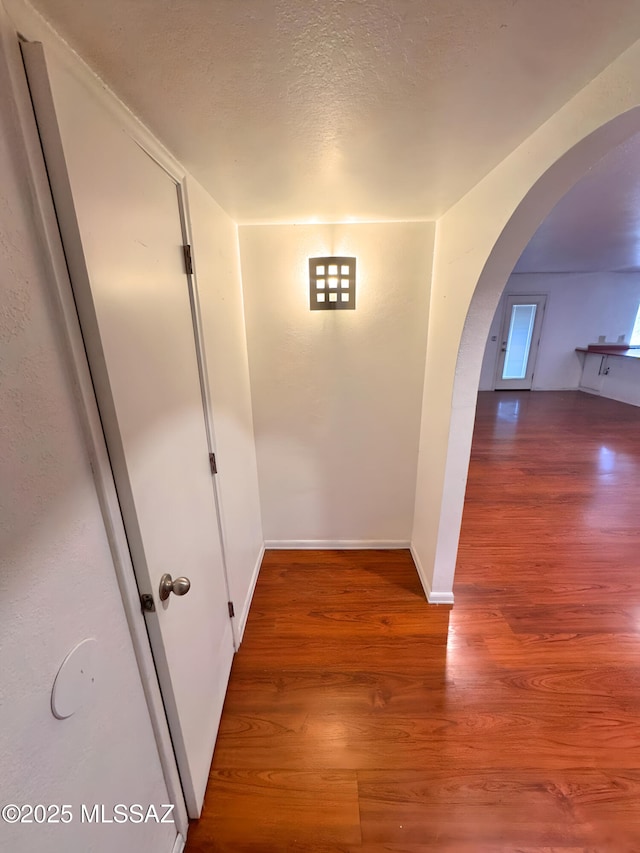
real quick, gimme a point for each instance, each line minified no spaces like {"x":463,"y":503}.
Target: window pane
{"x":635,"y":335}
{"x":519,"y":341}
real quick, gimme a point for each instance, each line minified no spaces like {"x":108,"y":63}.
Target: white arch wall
{"x":478,"y":242}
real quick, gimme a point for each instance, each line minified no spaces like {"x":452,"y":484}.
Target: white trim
{"x":432,"y":597}
{"x":35,"y":27}
{"x":71,"y":336}
{"x":203,"y":377}
{"x":500,"y":384}
{"x":179,"y":845}
{"x":242,"y":621}
{"x":335,"y":544}
{"x":543,"y":388}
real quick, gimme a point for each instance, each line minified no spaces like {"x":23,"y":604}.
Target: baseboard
{"x":178,"y":847}
{"x":334,"y":544}
{"x":432,"y":597}
{"x":242,"y":622}
{"x":552,"y":390}
{"x":591,"y":391}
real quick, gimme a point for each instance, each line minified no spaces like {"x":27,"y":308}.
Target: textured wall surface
{"x":57,"y":581}
{"x":380,"y":109}
{"x":594,"y":227}
{"x":336,"y":394}
{"x":580,"y":308}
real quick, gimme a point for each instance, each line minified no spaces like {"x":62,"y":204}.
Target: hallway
{"x":359,"y":718}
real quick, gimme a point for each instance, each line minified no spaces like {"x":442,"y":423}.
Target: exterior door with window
{"x":520,"y":336}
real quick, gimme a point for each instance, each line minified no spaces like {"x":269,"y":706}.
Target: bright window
{"x":635,"y":335}
{"x":519,"y":342}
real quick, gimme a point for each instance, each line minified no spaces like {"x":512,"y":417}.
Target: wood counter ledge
{"x":612,"y":349}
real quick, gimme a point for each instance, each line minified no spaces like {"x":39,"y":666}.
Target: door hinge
{"x":147,"y":604}
{"x":213,"y":463}
{"x":232,"y":612}
{"x":188,"y":260}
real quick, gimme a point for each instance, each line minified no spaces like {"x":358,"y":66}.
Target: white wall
{"x":580,"y":308}
{"x":217,"y":268}
{"x":621,"y":381}
{"x":216,"y":259}
{"x":57,"y":580}
{"x":336,"y":394}
{"x":58,"y":584}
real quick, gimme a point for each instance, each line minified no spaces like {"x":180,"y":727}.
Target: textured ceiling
{"x":292,"y":110}
{"x":596,"y":226}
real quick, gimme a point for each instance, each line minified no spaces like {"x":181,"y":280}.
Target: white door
{"x":121,"y":227}
{"x":521,"y":329}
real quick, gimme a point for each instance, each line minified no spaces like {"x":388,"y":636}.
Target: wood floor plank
{"x":465,"y":739}
{"x":483,"y":808}
{"x":299,"y":692}
{"x":337,"y":621}
{"x":565,"y":618}
{"x":405,"y":656}
{"x":475,"y":846}
{"x":359,"y":719}
{"x":251,"y":808}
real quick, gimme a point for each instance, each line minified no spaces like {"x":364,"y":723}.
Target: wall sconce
{"x":332,"y":284}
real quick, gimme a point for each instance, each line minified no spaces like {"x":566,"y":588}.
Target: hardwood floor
{"x":359,"y":718}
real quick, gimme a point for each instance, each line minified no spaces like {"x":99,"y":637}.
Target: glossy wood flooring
{"x":361,"y":719}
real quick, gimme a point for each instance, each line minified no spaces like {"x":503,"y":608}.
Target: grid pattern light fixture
{"x":332,"y":284}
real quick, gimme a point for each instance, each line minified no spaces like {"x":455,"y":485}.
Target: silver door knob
{"x":179,"y":586}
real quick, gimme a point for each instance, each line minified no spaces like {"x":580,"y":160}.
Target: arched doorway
{"x":478,"y":242}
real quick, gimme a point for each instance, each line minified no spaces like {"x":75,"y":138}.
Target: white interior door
{"x":519,"y":342}
{"x":122,"y":232}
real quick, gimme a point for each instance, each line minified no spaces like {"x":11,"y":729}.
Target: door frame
{"x":34,"y":56}
{"x":66,"y":318}
{"x":203,"y":375}
{"x":180,"y":179}
{"x":499,"y":384}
